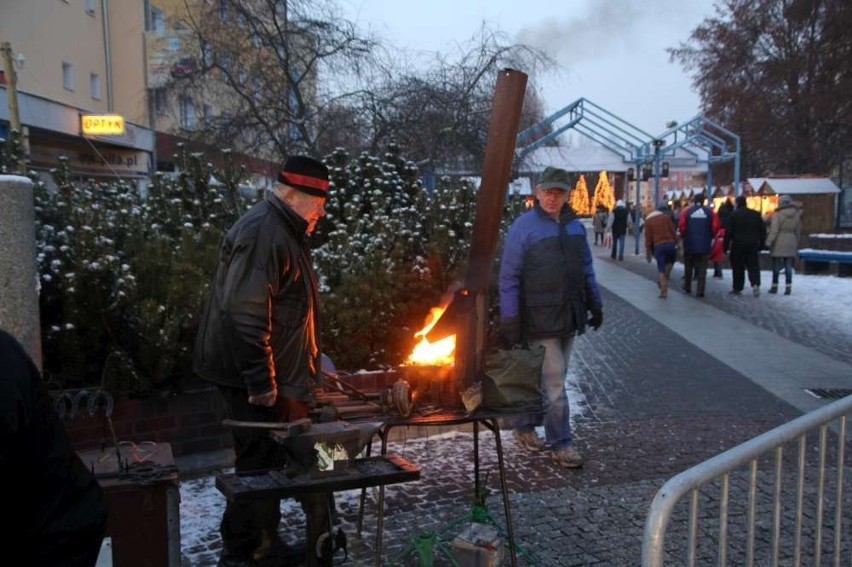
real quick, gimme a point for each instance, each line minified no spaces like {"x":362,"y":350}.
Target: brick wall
{"x":190,"y":422}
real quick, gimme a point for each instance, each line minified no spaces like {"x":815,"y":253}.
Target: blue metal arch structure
{"x":696,"y":141}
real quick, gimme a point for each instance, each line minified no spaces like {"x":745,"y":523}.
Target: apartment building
{"x":74,"y":58}
{"x":187,"y":92}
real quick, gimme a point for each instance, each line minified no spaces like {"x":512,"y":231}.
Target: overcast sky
{"x":611,"y":52}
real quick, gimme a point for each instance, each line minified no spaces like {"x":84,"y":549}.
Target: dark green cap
{"x":555,"y":178}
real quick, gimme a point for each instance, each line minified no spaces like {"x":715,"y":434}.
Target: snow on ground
{"x":827,"y":298}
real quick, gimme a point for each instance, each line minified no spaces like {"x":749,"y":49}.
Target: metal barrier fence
{"x":752,"y":505}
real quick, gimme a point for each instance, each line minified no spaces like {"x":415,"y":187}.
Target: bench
{"x":826,"y":262}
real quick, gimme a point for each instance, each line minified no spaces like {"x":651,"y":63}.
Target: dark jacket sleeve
{"x":56,"y":510}
{"x":246,"y":300}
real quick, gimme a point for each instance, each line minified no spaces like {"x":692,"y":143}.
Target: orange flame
{"x":435,"y":354}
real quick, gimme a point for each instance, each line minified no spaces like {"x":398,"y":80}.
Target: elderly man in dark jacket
{"x":547,"y":284}
{"x":259,"y":341}
{"x":745,"y":238}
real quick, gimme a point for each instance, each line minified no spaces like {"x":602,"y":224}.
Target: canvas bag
{"x":512,"y":379}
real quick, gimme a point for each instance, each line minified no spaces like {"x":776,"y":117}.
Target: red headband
{"x":307,"y":181}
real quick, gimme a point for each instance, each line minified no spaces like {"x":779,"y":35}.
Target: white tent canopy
{"x":585,"y":158}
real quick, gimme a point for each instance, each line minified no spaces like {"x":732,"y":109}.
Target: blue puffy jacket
{"x":547,"y":277}
{"x":697,"y":226}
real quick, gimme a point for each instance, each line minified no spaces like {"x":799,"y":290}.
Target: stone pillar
{"x":19,"y":314}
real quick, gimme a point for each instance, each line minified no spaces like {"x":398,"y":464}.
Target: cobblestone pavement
{"x":809,"y":329}
{"x":649,"y":405}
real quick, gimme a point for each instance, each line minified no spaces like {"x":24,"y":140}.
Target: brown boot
{"x":789,"y":289}
{"x":773,"y":288}
{"x":663,"y":284}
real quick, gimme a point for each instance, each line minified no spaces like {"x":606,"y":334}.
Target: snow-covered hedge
{"x":124,"y":278}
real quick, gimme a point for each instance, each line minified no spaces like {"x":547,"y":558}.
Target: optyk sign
{"x":102,"y":124}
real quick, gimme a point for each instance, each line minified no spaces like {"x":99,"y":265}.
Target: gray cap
{"x":555,"y":178}
{"x":785,"y":200}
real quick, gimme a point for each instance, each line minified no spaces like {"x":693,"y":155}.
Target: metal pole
{"x":636,"y":214}
{"x":496,"y":170}
{"x":12,"y":94}
{"x":656,"y":177}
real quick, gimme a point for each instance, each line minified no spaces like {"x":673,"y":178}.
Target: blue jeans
{"x":557,"y":416}
{"x":618,"y":245}
{"x":665,"y":253}
{"x":787,"y":264}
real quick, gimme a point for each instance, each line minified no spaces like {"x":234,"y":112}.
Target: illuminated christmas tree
{"x":604,"y":195}
{"x":580,"y":197}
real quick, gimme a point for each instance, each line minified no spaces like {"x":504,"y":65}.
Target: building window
{"x":67,"y":76}
{"x":90,"y":7}
{"x":224,"y":9}
{"x":160,"y":101}
{"x":187,"y":113}
{"x":207,"y":113}
{"x":95,"y":86}
{"x":158,"y":20}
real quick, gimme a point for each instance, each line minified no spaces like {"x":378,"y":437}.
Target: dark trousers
{"x":694,"y":264}
{"x":744,"y":257}
{"x":245,"y":524}
{"x":618,"y":246}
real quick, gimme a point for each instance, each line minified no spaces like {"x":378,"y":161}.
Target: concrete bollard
{"x":19,"y":313}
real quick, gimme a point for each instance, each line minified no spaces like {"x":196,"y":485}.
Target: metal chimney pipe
{"x":496,"y":170}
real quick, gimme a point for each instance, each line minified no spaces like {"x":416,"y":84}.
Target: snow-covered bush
{"x":124,"y":278}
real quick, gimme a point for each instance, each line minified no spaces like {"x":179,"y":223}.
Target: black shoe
{"x":686,"y":290}
{"x":735,"y":292}
{"x":699,"y":295}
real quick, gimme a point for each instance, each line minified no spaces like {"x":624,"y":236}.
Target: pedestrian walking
{"x":660,"y":238}
{"x":697,"y":226}
{"x":599,"y":224}
{"x":547,"y":285}
{"x":744,"y":240}
{"x":259,"y":342}
{"x":783,"y":241}
{"x":617,"y":225}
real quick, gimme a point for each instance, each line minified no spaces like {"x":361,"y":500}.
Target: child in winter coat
{"x":717,"y":253}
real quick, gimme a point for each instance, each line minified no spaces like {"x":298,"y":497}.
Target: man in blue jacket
{"x":547,"y":284}
{"x":697,"y":226}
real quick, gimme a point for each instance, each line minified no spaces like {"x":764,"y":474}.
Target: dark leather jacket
{"x":261,"y":322}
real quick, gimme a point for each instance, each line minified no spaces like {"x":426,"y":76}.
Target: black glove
{"x":510,"y":332}
{"x":596,"y":320}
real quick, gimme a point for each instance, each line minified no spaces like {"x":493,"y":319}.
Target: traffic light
{"x":665,"y":170}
